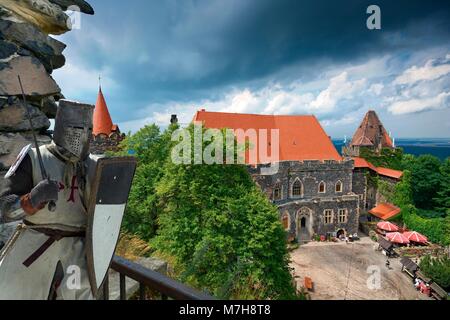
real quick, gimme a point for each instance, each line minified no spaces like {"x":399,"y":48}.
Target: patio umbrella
{"x":397,"y":237}
{"x":387,"y":226}
{"x":415,"y":237}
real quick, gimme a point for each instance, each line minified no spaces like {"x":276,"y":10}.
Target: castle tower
{"x":106,"y":135}
{"x":370,"y":134}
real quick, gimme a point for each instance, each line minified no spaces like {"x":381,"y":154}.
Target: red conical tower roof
{"x":102,"y":119}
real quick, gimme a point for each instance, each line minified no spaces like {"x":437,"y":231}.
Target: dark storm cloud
{"x":186,"y":50}
{"x":215,"y":43}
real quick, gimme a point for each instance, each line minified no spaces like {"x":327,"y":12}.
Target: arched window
{"x":277,"y":191}
{"x":285,"y":220}
{"x":339,"y":186}
{"x":328,"y":216}
{"x":342,"y":215}
{"x":322,"y":187}
{"x":297,"y":188}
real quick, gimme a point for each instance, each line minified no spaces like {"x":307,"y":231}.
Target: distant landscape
{"x":439,"y":147}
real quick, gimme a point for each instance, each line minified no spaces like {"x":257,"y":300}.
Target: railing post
{"x":123,"y":294}
{"x":141,"y":291}
{"x":106,"y":288}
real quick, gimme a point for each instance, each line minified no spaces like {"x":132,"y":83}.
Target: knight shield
{"x":111,"y":187}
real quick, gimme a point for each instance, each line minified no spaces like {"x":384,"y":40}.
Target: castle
{"x":316,"y":190}
{"x":370,"y":134}
{"x":106,"y":136}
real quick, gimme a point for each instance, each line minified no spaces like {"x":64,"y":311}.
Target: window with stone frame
{"x":297,"y":188}
{"x":285,"y":220}
{"x":277,"y":191}
{"x":339,"y":186}
{"x":328,"y":216}
{"x":342,"y":215}
{"x":322,"y":187}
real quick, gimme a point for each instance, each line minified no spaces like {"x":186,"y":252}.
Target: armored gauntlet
{"x":44,"y":192}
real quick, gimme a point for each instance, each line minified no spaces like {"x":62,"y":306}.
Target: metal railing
{"x":167,"y":287}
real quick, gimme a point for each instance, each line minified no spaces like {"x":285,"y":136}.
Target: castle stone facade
{"x":313,"y":197}
{"x":316,"y":190}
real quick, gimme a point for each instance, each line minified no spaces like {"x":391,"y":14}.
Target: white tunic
{"x":18,"y":282}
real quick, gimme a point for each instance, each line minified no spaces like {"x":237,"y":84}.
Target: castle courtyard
{"x":340,"y":271}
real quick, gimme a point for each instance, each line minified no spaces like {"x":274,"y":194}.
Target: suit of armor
{"x":45,"y":258}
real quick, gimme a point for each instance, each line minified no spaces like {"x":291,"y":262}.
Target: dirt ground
{"x":340,"y":271}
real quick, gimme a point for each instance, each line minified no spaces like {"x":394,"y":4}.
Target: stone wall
{"x":359,"y":186}
{"x":310,"y":174}
{"x":312,"y":203}
{"x":26,"y":49}
{"x":314,"y":212}
{"x":101,"y":144}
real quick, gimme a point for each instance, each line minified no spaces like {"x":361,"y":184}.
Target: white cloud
{"x":418,"y":105}
{"x":376,"y":88}
{"x":428,"y":72}
{"x":340,"y":88}
{"x":346,"y":120}
{"x":76,"y":81}
{"x":339,"y":102}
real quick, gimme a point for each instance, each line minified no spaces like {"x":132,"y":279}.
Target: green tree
{"x":403,"y":194}
{"x":437,"y":269}
{"x":222,"y":233}
{"x":425,"y":180}
{"x":151,"y":148}
{"x":387,"y":158}
{"x":443,"y":196}
{"x":436,"y":229}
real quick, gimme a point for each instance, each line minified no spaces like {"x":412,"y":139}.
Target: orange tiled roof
{"x":391,"y":173}
{"x":301,"y":137}
{"x":102,"y":119}
{"x":385,"y":211}
{"x":363,"y":163}
{"x":371,"y":132}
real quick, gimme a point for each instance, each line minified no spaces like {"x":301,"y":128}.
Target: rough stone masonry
{"x":28,"y":50}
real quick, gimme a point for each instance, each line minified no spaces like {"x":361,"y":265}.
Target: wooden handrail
{"x":168,"y":287}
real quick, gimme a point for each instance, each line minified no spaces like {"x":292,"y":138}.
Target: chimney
{"x":174,"y":119}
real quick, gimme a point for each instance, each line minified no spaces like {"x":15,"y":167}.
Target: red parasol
{"x":415,"y":237}
{"x":387,"y":226}
{"x":397,"y":237}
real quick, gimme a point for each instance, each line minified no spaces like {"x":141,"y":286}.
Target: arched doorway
{"x":304,"y":224}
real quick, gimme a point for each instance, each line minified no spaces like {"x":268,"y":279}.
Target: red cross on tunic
{"x":73,"y":187}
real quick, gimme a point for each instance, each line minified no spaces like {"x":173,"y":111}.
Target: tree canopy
{"x":151,"y":148}
{"x":222,"y":232}
{"x":426,"y":179}
{"x":437,"y":269}
{"x":443,"y":195}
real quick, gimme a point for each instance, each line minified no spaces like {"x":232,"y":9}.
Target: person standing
{"x":45,"y":258}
